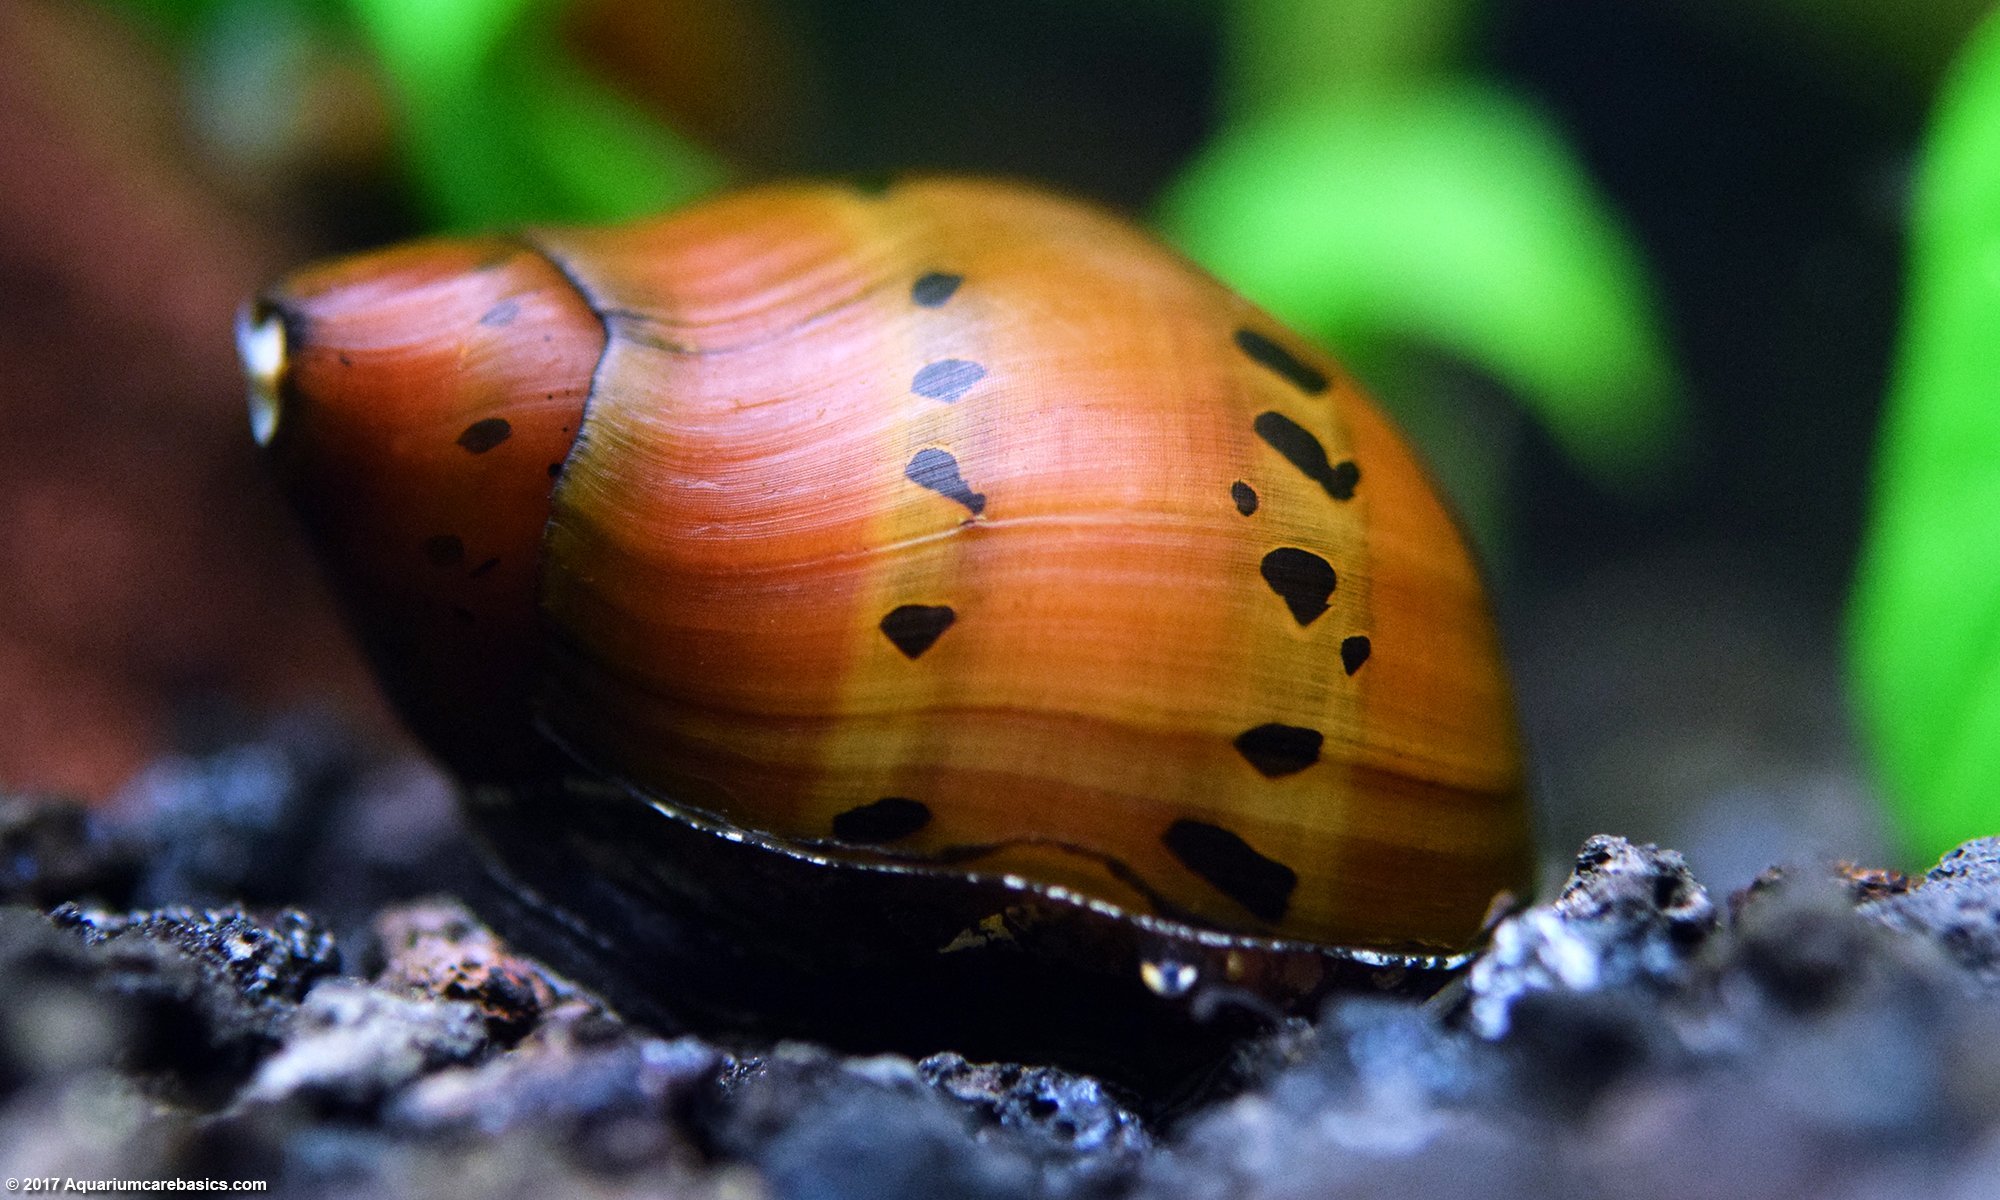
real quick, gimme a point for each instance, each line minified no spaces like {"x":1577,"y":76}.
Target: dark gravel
{"x":223,"y":977}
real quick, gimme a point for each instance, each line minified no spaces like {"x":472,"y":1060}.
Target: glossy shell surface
{"x":959,"y":527}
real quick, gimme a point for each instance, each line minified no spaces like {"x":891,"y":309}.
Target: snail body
{"x":958,"y":540}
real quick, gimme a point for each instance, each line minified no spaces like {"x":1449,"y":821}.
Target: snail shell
{"x":958,"y":534}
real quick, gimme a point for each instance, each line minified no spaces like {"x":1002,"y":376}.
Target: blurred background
{"x":1635,"y":273}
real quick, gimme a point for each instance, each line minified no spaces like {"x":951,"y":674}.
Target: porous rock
{"x":1957,"y":906}
{"x":1071,"y":1115}
{"x":821,"y":1126}
{"x":438,"y":948}
{"x":217,"y":987}
{"x":1835,"y":1033}
{"x":1801,"y":1049}
{"x":353,"y":1044}
{"x":1629,"y":916}
{"x":579,"y":1068}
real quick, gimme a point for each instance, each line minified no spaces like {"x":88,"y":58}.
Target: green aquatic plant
{"x":1924,"y":643}
{"x":1453,"y":217}
{"x":503,"y":126}
{"x":497,"y":121}
{"x":1372,"y":191}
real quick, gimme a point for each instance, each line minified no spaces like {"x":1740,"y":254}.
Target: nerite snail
{"x":889,"y":586}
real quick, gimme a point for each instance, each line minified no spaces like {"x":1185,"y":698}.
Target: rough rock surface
{"x":1958,"y":907}
{"x":1829,"y":1032}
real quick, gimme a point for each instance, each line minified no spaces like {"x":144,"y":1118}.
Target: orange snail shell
{"x":960,"y":528}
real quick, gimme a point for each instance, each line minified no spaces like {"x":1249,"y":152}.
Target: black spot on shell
{"x":1262,"y":885}
{"x":555,"y":469}
{"x":1273,"y":357}
{"x":1302,"y":579}
{"x":914,"y":628}
{"x":1303,"y":451}
{"x":938,"y":471}
{"x":1245,"y":497}
{"x":947,"y":379}
{"x":481,"y":436}
{"x":444,"y":549}
{"x":1354,"y":652}
{"x":501,"y":314}
{"x":1278,"y":750}
{"x":886,"y":820}
{"x":934,"y":288}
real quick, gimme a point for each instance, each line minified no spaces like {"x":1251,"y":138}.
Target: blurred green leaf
{"x":1925,"y":620}
{"x":1285,"y":52}
{"x":438,"y":41}
{"x":504,"y":129}
{"x":602,"y":156}
{"x":1449,"y":216}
